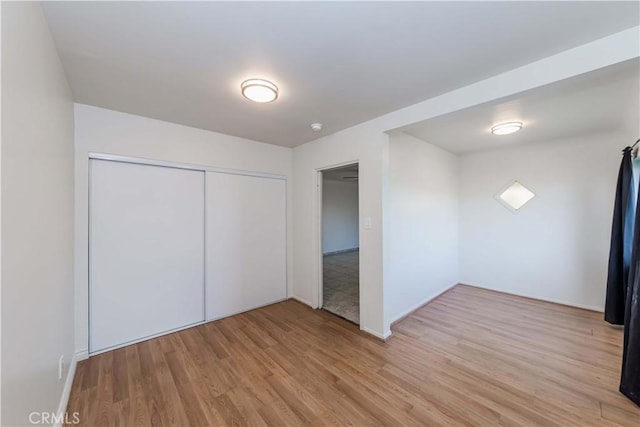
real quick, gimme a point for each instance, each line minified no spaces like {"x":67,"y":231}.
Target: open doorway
{"x":340,"y":242}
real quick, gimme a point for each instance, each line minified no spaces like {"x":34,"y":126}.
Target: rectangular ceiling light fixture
{"x":514,"y":196}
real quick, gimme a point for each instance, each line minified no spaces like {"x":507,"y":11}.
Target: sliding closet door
{"x":146,"y":251}
{"x":246,"y":243}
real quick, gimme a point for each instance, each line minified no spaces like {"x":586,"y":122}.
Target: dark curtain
{"x":621,"y":244}
{"x":630,"y":379}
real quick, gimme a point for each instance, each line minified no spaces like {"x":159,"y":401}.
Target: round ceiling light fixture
{"x":506,"y":128}
{"x":258,"y":90}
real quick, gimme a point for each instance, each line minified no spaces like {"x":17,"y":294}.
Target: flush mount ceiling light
{"x":506,"y":128}
{"x":258,"y":90}
{"x":514,"y":196}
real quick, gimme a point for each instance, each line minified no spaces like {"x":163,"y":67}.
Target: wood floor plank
{"x":190,"y":395}
{"x":471,"y":357}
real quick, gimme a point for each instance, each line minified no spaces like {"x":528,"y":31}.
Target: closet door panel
{"x":146,"y":251}
{"x":246,"y":243}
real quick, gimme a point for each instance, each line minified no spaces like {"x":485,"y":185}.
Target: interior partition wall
{"x":171,"y":247}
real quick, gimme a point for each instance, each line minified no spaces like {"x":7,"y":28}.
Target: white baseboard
{"x":82,"y":354}
{"x":66,"y":391}
{"x":552,"y":300}
{"x":376,"y":334}
{"x":303,"y":301}
{"x":413,"y":308}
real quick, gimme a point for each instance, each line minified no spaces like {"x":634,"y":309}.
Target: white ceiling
{"x":602,"y":101}
{"x":339,"y":63}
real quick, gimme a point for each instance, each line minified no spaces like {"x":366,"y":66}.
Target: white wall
{"x":368,"y":143}
{"x":422,"y":234}
{"x":104,"y":131}
{"x":556,"y":247}
{"x":37,"y":216}
{"x":368,"y":148}
{"x":339,"y":215}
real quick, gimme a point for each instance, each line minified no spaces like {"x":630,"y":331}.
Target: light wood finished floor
{"x":470,"y":357}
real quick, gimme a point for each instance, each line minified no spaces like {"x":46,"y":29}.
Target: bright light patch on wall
{"x":514,"y":196}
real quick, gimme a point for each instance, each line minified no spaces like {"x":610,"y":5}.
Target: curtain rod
{"x":636,"y":143}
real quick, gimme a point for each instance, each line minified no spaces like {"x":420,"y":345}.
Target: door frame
{"x":318,"y":222}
